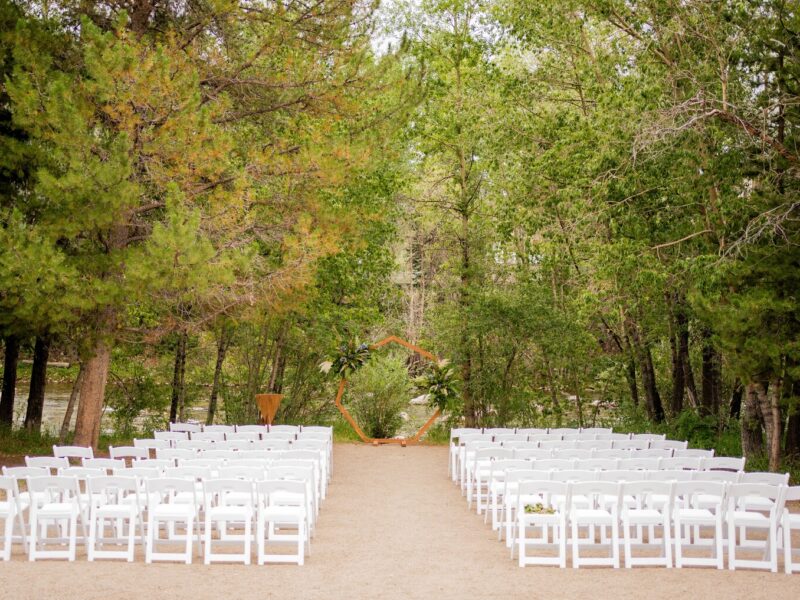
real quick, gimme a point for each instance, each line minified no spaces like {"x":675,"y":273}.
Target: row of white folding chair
{"x":671,"y":505}
{"x":116,"y":499}
{"x":487,"y":453}
{"x":489,"y":471}
{"x":296,"y":449}
{"x":228,"y":457}
{"x":502,"y":504}
{"x":464,"y":452}
{"x":197,"y":427}
{"x":108,"y":465}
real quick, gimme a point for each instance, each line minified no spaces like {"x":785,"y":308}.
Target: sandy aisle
{"x":392,"y":526}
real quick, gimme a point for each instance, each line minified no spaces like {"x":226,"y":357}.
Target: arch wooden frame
{"x":392,"y":339}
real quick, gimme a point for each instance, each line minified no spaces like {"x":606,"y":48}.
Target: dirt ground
{"x":393,"y":526}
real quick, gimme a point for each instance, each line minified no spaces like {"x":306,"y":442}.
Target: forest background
{"x":589,"y":207}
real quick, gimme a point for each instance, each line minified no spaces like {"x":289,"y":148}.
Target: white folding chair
{"x":243,"y":436}
{"x":282,"y":506}
{"x":723,"y":463}
{"x":107,"y":464}
{"x":602,"y":512}
{"x":162,"y":507}
{"x":171,"y":436}
{"x":293,"y":429}
{"x":187,"y":427}
{"x":739,"y":514}
{"x":115,"y":499}
{"x":653,"y":503}
{"x":128,"y":452}
{"x":669,"y":444}
{"x":790,"y":522}
{"x":228,"y":502}
{"x":215,"y":435}
{"x":693,"y":453}
{"x":536,"y":508}
{"x":78,"y":452}
{"x":9,"y":508}
{"x":55,"y":501}
{"x":698,"y":504}
{"x":596,"y":430}
{"x":509,"y":499}
{"x":219,"y":429}
{"x":175,"y":453}
{"x":681,"y":462}
{"x":259,"y":429}
{"x":53,"y":464}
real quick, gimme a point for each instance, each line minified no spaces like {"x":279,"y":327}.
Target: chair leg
{"x":666,"y":539}
{"x":32,"y":542}
{"x":731,"y":546}
{"x":627,"y":542}
{"x":787,"y":547}
{"x":520,"y":543}
{"x":73,"y":534}
{"x":575,"y":544}
{"x":718,"y":542}
{"x":207,"y":545}
{"x":678,"y":545}
{"x":189,"y":539}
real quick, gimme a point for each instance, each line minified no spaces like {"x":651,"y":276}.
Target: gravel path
{"x":393,"y":526}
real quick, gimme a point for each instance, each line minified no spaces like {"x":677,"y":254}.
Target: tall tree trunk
{"x":41,"y":353}
{"x":736,"y":399}
{"x":93,"y":390}
{"x":73,"y":398}
{"x":178,"y":378}
{"x":655,"y":409}
{"x":678,"y":376}
{"x":630,"y":375}
{"x":711,"y":377}
{"x":752,"y":444}
{"x":771,"y":415}
{"x":10,"y":362}
{"x":470,"y":412}
{"x":793,"y":435}
{"x":222,"y":348}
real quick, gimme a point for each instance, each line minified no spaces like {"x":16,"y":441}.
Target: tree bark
{"x":222,"y":348}
{"x":736,"y":399}
{"x":771,"y":414}
{"x":711,"y":377}
{"x":10,"y":362}
{"x":630,"y":375}
{"x":73,"y":398}
{"x":93,"y":390}
{"x":178,"y":379}
{"x":793,"y":435}
{"x":655,"y":409}
{"x":33,"y":414}
{"x":752,"y":444}
{"x":678,"y":375}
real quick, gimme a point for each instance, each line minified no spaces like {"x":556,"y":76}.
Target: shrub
{"x":377,"y":393}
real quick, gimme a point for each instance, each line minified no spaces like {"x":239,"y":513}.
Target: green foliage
{"x":440,"y":383}
{"x":352,"y":356}
{"x":378,"y":393}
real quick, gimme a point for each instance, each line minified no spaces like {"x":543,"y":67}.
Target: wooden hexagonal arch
{"x":392,"y":339}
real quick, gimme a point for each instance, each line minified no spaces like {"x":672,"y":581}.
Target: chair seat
{"x":594,"y":514}
{"x":117,"y":510}
{"x":57,"y":509}
{"x":293,"y":512}
{"x":238,"y":513}
{"x":746,"y":517}
{"x":7,"y":508}
{"x":173,"y":511}
{"x":757,"y":503}
{"x":643,"y":514}
{"x":694,"y":514}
